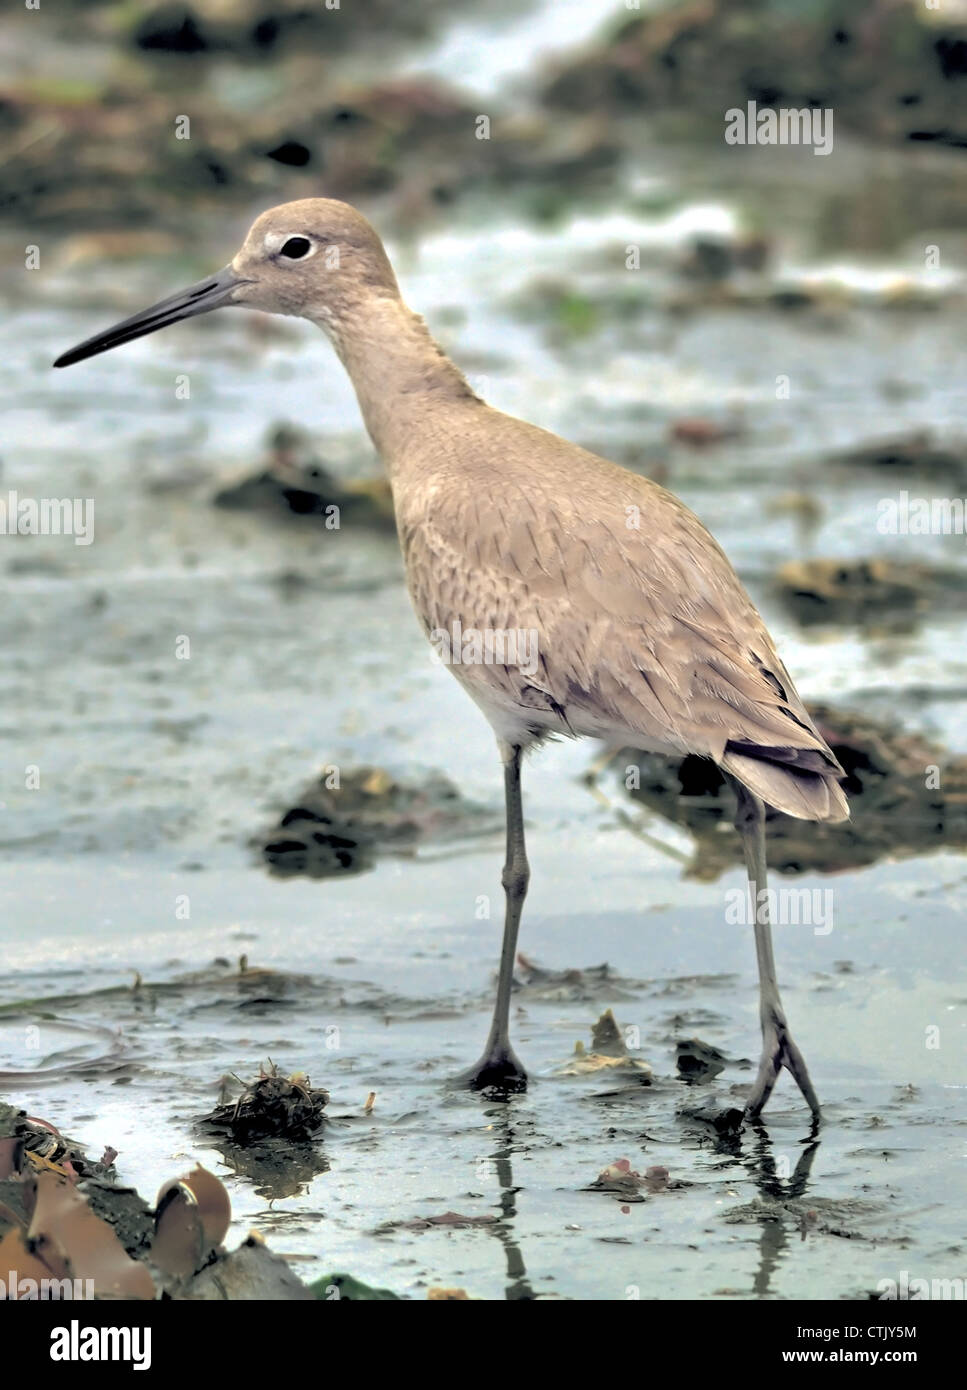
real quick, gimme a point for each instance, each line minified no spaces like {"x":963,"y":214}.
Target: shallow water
{"x":155,"y":773}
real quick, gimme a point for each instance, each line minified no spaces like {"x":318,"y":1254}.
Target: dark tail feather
{"x":801,"y":782}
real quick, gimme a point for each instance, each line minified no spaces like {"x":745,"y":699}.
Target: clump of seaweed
{"x":273,"y":1106}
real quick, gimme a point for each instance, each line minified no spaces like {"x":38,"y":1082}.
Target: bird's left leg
{"x":778,"y":1048}
{"x":499,"y":1067}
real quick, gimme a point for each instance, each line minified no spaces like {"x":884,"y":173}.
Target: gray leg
{"x":778,"y":1048}
{"x":498,"y":1067}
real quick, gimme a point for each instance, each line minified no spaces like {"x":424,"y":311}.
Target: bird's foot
{"x":498,"y":1070}
{"x":778,"y":1051}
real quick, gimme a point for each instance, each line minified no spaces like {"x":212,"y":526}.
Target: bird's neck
{"x":400,"y":375}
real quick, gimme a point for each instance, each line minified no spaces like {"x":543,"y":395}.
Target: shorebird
{"x":635,"y":627}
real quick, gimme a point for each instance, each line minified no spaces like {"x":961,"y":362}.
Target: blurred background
{"x":774,"y":334}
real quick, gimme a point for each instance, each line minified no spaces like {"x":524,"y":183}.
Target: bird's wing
{"x":642,"y":625}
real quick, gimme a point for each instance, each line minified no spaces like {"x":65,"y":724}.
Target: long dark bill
{"x":196,"y":299}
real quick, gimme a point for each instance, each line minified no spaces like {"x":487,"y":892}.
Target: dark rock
{"x":172,"y":29}
{"x":889,"y":594}
{"x":343,"y":828}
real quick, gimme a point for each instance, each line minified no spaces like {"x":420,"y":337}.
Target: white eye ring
{"x":290,"y":246}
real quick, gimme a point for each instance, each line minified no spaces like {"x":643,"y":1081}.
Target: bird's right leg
{"x":499,"y":1068}
{"x":778,"y":1048}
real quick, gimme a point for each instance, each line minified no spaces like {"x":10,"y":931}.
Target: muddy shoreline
{"x":184,"y":898}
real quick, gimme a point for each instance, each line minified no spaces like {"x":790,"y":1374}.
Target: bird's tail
{"x":802,"y":782}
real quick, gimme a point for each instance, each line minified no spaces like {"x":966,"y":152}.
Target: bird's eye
{"x":296,"y":247}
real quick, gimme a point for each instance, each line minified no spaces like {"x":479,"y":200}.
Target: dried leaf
{"x":11,"y":1155}
{"x":606,"y":1036}
{"x":14,"y":1256}
{"x":193,"y":1216}
{"x":178,"y":1248}
{"x":584,"y":1064}
{"x":70,"y":1237}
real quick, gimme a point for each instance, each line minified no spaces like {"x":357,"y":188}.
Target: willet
{"x":636,"y":627}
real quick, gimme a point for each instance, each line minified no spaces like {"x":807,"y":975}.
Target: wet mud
{"x":151,"y":965}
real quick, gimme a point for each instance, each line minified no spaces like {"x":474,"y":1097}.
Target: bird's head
{"x":315,"y":258}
